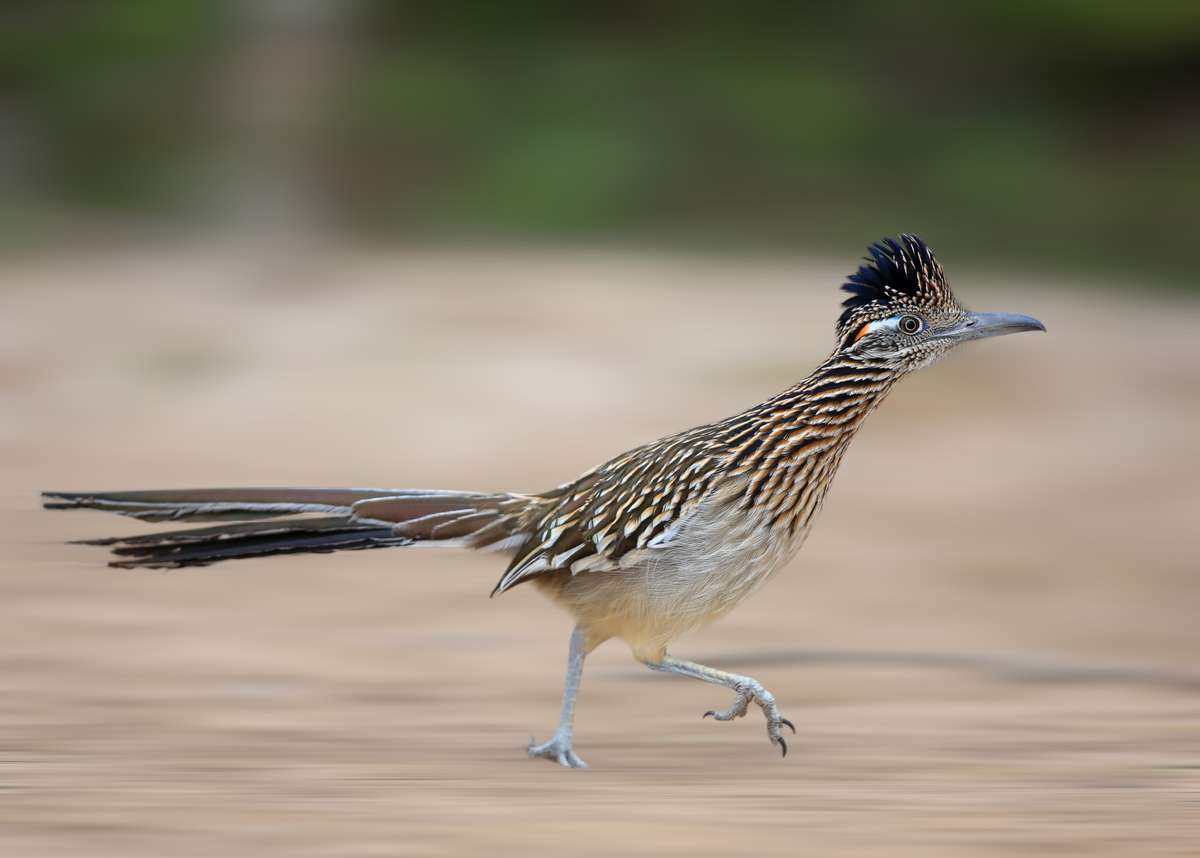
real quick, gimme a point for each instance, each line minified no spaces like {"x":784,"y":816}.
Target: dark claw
{"x":709,"y":712}
{"x":783,"y":746}
{"x":788,"y":723}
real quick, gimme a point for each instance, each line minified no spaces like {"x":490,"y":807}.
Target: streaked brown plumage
{"x":648,"y":545}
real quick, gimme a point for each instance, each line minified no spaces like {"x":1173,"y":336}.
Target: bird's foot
{"x":751,"y":690}
{"x":558,"y":749}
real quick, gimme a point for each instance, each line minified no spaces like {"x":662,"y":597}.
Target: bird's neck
{"x":790,"y":446}
{"x":830,"y":402}
{"x":837,"y":395}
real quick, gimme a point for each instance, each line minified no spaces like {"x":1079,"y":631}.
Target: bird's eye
{"x":910,"y":324}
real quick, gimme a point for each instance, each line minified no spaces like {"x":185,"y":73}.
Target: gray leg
{"x":746,"y":688}
{"x":559,"y":746}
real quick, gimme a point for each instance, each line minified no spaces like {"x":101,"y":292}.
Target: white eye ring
{"x":909,"y":325}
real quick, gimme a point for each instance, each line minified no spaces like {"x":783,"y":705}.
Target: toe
{"x":557,"y":752}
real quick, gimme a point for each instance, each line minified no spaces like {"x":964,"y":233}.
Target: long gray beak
{"x":980,"y":325}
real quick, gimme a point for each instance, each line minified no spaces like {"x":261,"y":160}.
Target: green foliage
{"x":1064,"y":132}
{"x":109,"y":92}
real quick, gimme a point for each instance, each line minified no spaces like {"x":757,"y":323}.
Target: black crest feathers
{"x":896,"y":273}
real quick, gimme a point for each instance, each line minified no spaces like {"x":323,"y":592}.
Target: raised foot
{"x":752,"y":690}
{"x":559,"y":750}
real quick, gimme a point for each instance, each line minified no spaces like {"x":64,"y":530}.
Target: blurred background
{"x":490,"y":245}
{"x":1059,"y":134}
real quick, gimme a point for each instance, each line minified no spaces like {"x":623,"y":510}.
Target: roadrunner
{"x":653,"y":543}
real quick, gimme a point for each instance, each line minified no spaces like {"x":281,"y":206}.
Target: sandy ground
{"x":989,"y":645}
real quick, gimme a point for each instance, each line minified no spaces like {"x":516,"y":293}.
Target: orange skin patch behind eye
{"x":862,"y":332}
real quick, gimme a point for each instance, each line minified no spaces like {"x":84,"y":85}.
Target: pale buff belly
{"x":708,"y":569}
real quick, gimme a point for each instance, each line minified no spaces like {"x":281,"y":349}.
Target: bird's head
{"x":901,"y":312}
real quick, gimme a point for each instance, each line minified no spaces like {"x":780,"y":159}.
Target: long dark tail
{"x":260,"y":522}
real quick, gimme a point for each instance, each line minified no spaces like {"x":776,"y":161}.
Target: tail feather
{"x":214,"y":504}
{"x":294,"y":539}
{"x":300,"y":521}
{"x":222,"y":531}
